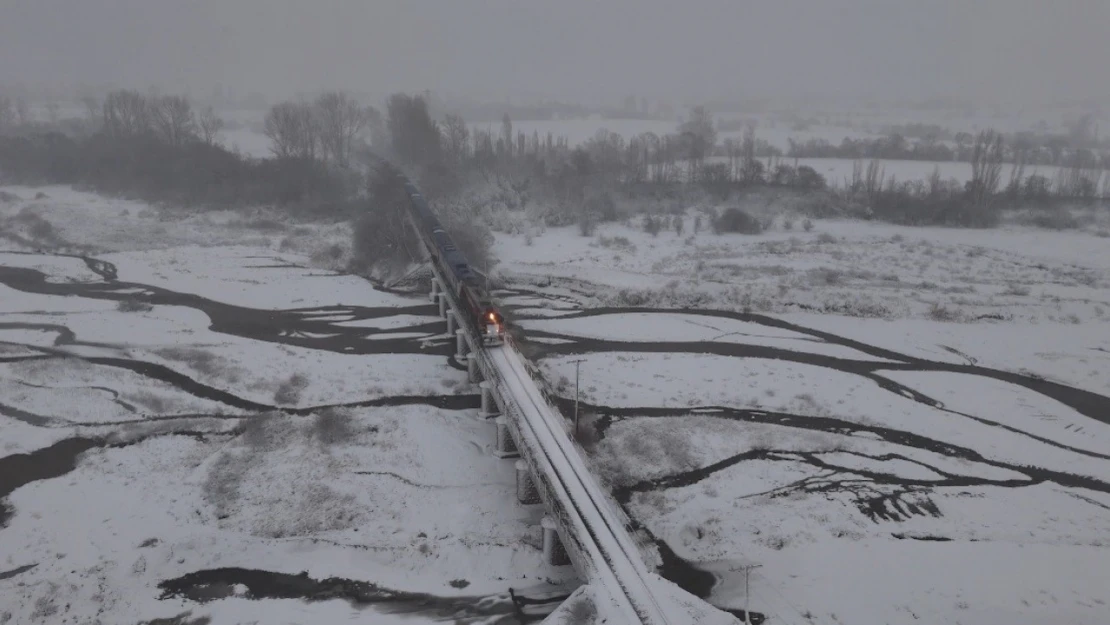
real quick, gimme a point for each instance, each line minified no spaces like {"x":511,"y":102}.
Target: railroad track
{"x":601,"y":533}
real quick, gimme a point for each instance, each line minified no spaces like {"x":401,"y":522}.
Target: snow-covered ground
{"x":871,"y":270}
{"x":247,"y":141}
{"x":900,"y":425}
{"x":193,"y":412}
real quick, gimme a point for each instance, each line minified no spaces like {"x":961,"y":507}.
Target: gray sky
{"x":597,"y":50}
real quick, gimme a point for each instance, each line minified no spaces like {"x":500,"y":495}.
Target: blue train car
{"x":479,"y":311}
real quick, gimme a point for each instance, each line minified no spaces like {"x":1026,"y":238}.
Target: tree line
{"x":161,"y":148}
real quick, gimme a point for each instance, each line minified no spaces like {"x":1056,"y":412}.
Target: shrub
{"x":617,"y":243}
{"x":333,"y":426}
{"x":601,"y":207}
{"x":940,"y":312}
{"x":652,"y":225}
{"x":807,"y":224}
{"x":1052,"y":219}
{"x":381,"y":234}
{"x":736,"y":220}
{"x":289,"y":391}
{"x":131,"y":304}
{"x":586,"y":224}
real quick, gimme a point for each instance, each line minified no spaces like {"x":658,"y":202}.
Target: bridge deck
{"x":613,"y":561}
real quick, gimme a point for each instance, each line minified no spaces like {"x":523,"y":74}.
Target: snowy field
{"x":198,"y":418}
{"x":900,"y":425}
{"x":247,"y":141}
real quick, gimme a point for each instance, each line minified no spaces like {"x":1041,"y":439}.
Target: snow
{"x":578,"y":131}
{"x":864,"y":269}
{"x":860,"y":503}
{"x":247,"y":141}
{"x":645,"y":327}
{"x":409,"y":497}
{"x":616,"y":563}
{"x":241,"y":282}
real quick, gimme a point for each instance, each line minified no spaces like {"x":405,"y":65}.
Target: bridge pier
{"x":472,"y":370}
{"x":489,"y":406}
{"x":505,"y":445}
{"x":554,"y":553}
{"x":526,"y":491}
{"x":460,"y":344}
{"x":435,"y":289}
{"x":442,"y":298}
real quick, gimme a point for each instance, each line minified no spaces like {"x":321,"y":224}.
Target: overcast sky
{"x":591,"y":50}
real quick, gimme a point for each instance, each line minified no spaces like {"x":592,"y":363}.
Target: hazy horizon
{"x":1014,"y":51}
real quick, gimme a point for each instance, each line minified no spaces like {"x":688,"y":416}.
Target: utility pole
{"x":577,"y":365}
{"x":747,"y":568}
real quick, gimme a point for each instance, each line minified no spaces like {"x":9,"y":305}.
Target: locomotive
{"x":478,"y":310}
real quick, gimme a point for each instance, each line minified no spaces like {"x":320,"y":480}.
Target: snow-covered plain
{"x":185,"y":395}
{"x":901,"y":425}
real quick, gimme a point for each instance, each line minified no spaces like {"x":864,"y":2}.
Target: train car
{"x":478,"y":309}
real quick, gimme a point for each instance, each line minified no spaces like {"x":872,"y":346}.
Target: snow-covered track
{"x":594,"y":534}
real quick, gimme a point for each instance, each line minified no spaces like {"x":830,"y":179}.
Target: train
{"x":478,"y":309}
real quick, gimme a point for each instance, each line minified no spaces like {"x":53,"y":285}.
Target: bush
{"x":381,"y":233}
{"x":289,"y":391}
{"x":940,"y":312}
{"x":601,"y":207}
{"x":333,"y":426}
{"x":618,"y":243}
{"x":131,"y":304}
{"x":652,"y":225}
{"x":1052,"y":219}
{"x":736,"y":220}
{"x":586,"y":224}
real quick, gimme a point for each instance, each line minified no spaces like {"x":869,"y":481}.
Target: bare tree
{"x":210,"y":125}
{"x":507,"y":134}
{"x":291,"y":126}
{"x":173,"y":119}
{"x":126,"y":114}
{"x":700,"y":136}
{"x":340,"y":121}
{"x":749,"y":167}
{"x":379,"y":138}
{"x":986,"y":166}
{"x":456,"y":139}
{"x":414,"y":135}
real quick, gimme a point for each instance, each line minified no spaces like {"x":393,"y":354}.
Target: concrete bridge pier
{"x":554,"y":553}
{"x":472,"y":370}
{"x":443,"y":308}
{"x":489,"y":406}
{"x":460,"y":345}
{"x":451,"y":322}
{"x":505,"y":445}
{"x":526,"y":491}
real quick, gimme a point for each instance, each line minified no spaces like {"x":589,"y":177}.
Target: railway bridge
{"x":584,"y":526}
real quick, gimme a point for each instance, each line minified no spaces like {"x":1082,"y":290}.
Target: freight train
{"x":478,"y":310}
